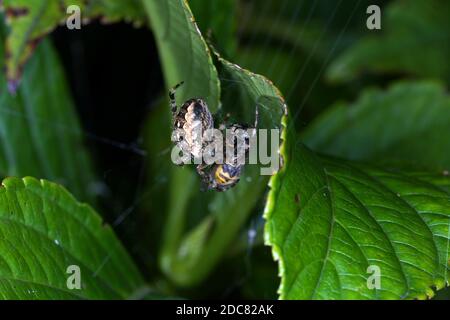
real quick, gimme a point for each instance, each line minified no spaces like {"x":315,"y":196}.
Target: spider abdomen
{"x":193,"y":118}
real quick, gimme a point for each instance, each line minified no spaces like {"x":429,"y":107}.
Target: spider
{"x":189,"y":122}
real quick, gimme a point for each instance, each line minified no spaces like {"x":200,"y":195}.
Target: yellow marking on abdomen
{"x":224,"y":178}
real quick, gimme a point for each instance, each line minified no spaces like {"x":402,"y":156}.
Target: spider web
{"x":303,"y":15}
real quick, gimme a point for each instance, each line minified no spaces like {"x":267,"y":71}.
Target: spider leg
{"x":173,"y":102}
{"x":205,"y":178}
{"x":223,"y":125}
{"x":200,"y":170}
{"x":256,"y":120}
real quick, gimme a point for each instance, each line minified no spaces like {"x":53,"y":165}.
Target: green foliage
{"x":392,"y":127}
{"x":414,"y":39}
{"x":43,"y":231}
{"x":29,"y":21}
{"x":39,"y":130}
{"x":327,"y":221}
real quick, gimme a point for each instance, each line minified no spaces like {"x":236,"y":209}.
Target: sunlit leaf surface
{"x":328,"y":221}
{"x":43,"y":231}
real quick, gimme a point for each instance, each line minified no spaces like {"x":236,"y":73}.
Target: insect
{"x":225,"y":176}
{"x":189,"y":123}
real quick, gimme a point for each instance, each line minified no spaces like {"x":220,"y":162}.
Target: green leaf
{"x":183,"y":52}
{"x":30,"y":21}
{"x":131,"y":11}
{"x":327,"y":221}
{"x":413,"y":39}
{"x":43,"y":231}
{"x":407,"y":125}
{"x":39,"y":130}
{"x":440,"y":180}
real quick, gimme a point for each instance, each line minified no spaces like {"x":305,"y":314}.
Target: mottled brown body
{"x":192,"y":119}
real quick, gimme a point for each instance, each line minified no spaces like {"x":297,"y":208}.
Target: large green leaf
{"x":39,"y":131}
{"x":43,"y":231}
{"x":327,"y":221}
{"x":183,"y":52}
{"x":31,"y":20}
{"x":414,"y":39}
{"x":406,"y":125}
